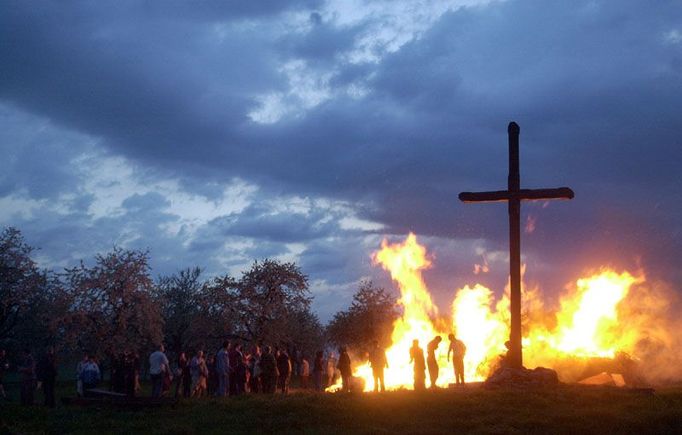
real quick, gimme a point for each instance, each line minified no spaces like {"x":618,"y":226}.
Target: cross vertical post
{"x":514,"y":185}
{"x":514,"y":195}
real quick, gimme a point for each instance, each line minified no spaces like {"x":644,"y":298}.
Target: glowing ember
{"x":586,"y":325}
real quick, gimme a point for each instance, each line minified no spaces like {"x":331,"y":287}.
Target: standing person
{"x":284,"y":369}
{"x":254,"y":370}
{"x":137,"y":362}
{"x":129,"y":373}
{"x":331,"y":369}
{"x":158,"y":368}
{"x":345,"y":369}
{"x":222,"y":365}
{"x":378,"y":361}
{"x":268,"y":370}
{"x":27,"y":370}
{"x":199,"y":372}
{"x":194,"y":370}
{"x":183,"y":376}
{"x":295,"y":356}
{"x":212,"y":381}
{"x":318,"y":370}
{"x":167,"y":382}
{"x":241,"y":372}
{"x":458,"y":350}
{"x":47,"y":375}
{"x":79,"y":371}
{"x":4,"y":366}
{"x":431,"y":359}
{"x":305,"y":372}
{"x":118,"y":372}
{"x":417,"y":357}
{"x":90,"y":375}
{"x":234,"y":356}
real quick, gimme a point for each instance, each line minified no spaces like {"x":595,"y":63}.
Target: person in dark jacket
{"x":118,"y":373}
{"x":318,"y":371}
{"x":284,"y":369}
{"x":345,"y":369}
{"x":268,"y":370}
{"x":130,"y":371}
{"x":4,"y":366}
{"x":47,"y":375}
{"x":241,"y":372}
{"x":212,"y":381}
{"x":234,"y":356}
{"x":184,"y":380}
{"x":27,"y":372}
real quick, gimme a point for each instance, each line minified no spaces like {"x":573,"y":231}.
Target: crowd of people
{"x":32,"y":374}
{"x":231,"y":371}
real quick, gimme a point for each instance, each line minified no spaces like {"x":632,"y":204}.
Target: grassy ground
{"x":565,"y":409}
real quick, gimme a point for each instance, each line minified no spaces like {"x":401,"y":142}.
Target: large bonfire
{"x":585,"y":326}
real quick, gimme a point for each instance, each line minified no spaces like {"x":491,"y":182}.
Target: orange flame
{"x":585,"y":325}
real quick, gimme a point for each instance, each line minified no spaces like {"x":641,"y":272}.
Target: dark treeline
{"x":115,"y":305}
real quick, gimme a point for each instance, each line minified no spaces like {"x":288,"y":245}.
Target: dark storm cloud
{"x":436,"y":104}
{"x":261,"y":222}
{"x":595,"y":85}
{"x":36,"y":159}
{"x":157,"y":89}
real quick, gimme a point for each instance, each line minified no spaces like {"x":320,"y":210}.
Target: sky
{"x":214,"y":133}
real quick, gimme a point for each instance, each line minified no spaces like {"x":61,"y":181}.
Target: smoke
{"x":650,"y":323}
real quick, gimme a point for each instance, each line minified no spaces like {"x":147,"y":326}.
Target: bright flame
{"x":481,"y":330}
{"x":587,"y":319}
{"x":586,"y":324}
{"x":405,"y":262}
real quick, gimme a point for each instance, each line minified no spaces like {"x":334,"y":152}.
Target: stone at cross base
{"x":513,"y":196}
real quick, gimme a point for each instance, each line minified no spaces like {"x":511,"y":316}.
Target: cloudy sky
{"x":214,"y":133}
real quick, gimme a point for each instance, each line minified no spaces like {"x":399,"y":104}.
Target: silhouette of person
{"x":458,"y":350}
{"x":4,"y":366}
{"x":378,"y":361}
{"x":417,"y":356}
{"x":318,"y":371}
{"x":47,"y":374}
{"x":284,"y":370}
{"x":234,"y":356}
{"x":222,"y":366}
{"x":345,"y":369}
{"x":255,"y":370}
{"x":131,"y":370}
{"x":431,"y":359}
{"x":268,"y":367}
{"x":27,"y":371}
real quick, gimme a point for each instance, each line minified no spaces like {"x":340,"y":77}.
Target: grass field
{"x":564,"y":409}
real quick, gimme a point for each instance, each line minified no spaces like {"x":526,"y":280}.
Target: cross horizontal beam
{"x":521,"y":194}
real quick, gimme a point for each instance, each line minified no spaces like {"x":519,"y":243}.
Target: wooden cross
{"x":514,"y":195}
